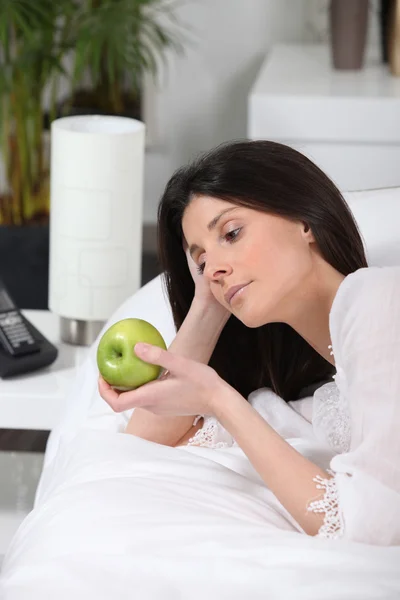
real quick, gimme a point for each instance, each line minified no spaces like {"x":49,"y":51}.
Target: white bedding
{"x":121,"y":517}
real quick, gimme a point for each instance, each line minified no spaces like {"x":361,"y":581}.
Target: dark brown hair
{"x":276,"y":179}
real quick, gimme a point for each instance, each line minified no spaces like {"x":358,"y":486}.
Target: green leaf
{"x":120,"y":37}
{"x":114,"y":41}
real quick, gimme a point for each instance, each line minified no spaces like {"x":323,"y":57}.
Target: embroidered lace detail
{"x":209,"y":434}
{"x":331,"y":417}
{"x":332,"y":527}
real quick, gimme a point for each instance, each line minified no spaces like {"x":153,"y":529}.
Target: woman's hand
{"x":188,"y":388}
{"x":203,"y":295}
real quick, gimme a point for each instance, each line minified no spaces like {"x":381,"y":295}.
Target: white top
{"x":358,"y":416}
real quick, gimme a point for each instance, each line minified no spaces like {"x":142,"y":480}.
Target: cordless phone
{"x":22,"y":347}
{"x":14,"y":334}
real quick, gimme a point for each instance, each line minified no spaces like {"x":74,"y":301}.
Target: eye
{"x":200,"y":269}
{"x":229,"y":237}
{"x":232,"y":235}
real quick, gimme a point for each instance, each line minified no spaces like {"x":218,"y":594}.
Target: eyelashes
{"x":230,"y":237}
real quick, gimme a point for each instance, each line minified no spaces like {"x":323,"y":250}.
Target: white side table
{"x":36,"y":400}
{"x":32,"y":401}
{"x":348,"y":122}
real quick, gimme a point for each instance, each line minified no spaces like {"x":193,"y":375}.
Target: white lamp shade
{"x":96,"y":212}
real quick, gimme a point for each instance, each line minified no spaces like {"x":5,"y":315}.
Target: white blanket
{"x":121,"y":517}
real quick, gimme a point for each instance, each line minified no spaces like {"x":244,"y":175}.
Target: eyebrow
{"x":212,"y":224}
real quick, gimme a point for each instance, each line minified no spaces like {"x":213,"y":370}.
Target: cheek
{"x":284,"y":260}
{"x":278,"y":271}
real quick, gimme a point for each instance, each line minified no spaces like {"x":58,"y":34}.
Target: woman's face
{"x":271,"y":254}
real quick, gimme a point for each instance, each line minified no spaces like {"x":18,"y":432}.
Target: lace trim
{"x":331,"y":417}
{"x":207,"y":435}
{"x":332,"y":527}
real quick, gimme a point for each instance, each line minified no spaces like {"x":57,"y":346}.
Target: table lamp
{"x":96,"y":206}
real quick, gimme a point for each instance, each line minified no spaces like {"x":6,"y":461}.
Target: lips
{"x":232,"y":291}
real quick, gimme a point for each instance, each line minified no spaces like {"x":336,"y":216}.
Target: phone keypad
{"x":14,"y":333}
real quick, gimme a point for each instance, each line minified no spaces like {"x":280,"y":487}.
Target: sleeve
{"x":362,"y":499}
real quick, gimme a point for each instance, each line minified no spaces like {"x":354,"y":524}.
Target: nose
{"x":216,"y":270}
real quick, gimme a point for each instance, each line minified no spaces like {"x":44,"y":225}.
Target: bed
{"x":118,"y":516}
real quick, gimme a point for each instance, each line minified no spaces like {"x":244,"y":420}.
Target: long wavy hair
{"x":276,"y":179}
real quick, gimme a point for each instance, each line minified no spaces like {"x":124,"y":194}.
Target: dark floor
{"x":35,"y":441}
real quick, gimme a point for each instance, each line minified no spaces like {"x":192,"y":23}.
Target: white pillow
{"x":84,"y":404}
{"x":377,"y":213}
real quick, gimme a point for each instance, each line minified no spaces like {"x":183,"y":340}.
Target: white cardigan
{"x":358,"y":416}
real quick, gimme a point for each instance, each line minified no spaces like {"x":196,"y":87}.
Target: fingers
{"x":177,"y":365}
{"x":159,"y":356}
{"x":120,"y":401}
{"x":107,"y":392}
{"x":111,"y":396}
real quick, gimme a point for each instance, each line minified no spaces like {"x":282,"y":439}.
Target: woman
{"x":268,"y":284}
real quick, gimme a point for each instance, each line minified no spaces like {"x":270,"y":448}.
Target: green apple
{"x":116,"y":359}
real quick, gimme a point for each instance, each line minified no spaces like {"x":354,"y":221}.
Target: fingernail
{"x":142,"y":347}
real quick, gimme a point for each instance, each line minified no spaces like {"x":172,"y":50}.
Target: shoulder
{"x":374,"y":275}
{"x":366,"y":301}
{"x":367,"y":287}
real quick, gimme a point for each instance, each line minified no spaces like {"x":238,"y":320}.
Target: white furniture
{"x":346,"y":122}
{"x":36,"y":400}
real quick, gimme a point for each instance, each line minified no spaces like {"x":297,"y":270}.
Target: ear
{"x":307,"y":233}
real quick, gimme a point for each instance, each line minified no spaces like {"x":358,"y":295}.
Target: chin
{"x":252,"y":315}
{"x":252,"y":321}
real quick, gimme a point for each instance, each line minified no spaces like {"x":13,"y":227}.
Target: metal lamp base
{"x":79,"y":333}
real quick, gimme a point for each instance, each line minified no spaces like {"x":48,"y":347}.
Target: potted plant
{"x":33,"y":39}
{"x":114,"y":42}
{"x":117,"y":42}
